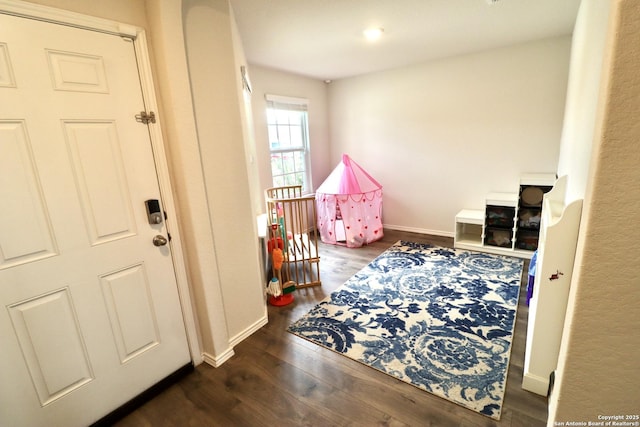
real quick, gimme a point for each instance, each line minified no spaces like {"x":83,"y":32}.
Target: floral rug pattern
{"x":440,"y":319}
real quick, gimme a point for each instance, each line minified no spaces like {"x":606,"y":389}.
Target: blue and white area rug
{"x":439,"y":319}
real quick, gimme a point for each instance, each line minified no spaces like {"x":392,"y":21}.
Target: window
{"x":288,"y":141}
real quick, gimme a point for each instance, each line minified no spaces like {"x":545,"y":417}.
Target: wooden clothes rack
{"x":295,"y":218}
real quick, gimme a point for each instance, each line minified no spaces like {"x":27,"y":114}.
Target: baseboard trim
{"x":249,"y":331}
{"x":217,"y":361}
{"x":133,"y":404}
{"x":535,"y":384}
{"x":419,"y":230}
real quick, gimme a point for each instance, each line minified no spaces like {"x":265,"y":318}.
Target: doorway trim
{"x":138,"y":35}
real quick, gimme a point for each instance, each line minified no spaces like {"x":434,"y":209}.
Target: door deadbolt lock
{"x":154,"y":213}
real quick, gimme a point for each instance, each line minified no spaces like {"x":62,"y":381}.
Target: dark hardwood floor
{"x":278,"y":379}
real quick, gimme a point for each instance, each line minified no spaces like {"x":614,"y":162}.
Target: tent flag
{"x":349,"y":206}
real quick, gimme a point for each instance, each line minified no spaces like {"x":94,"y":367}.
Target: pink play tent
{"x":349,"y":204}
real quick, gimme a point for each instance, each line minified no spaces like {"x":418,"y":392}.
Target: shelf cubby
{"x":509,"y":223}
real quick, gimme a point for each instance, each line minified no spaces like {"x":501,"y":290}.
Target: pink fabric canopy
{"x":349,"y":206}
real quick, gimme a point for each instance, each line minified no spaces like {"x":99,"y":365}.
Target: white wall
{"x":216,"y":92}
{"x":181,"y":136}
{"x":598,"y":371}
{"x":440,"y":135}
{"x":587,"y":53}
{"x":274,"y":82}
{"x":246,"y":114}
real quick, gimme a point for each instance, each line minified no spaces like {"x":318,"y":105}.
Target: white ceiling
{"x":323,"y":38}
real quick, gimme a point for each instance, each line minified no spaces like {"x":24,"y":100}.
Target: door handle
{"x":159,"y":240}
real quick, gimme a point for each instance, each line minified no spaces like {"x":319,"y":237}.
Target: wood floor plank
{"x":279,"y":379}
{"x":318,"y":393}
{"x":365,"y":387}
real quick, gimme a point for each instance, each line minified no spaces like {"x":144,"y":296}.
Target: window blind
{"x":286,"y":103}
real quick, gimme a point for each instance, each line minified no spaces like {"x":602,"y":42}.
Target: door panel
{"x":26,"y":230}
{"x":50,"y":339}
{"x":100,"y":178}
{"x":73,"y":71}
{"x":90,"y":312}
{"x":133,"y":321}
{"x":6,"y":71}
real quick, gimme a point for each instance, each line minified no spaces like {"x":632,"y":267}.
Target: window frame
{"x":286,"y":103}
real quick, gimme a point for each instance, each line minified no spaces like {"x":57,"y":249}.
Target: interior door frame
{"x":138,"y":35}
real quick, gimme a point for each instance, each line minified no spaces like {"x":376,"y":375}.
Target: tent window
{"x":287,"y":120}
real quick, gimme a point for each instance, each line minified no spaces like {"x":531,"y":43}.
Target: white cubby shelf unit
{"x":509,"y":223}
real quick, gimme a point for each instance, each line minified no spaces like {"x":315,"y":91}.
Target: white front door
{"x":89,"y":309}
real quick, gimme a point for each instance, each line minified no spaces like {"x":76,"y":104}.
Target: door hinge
{"x":145,"y":117}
